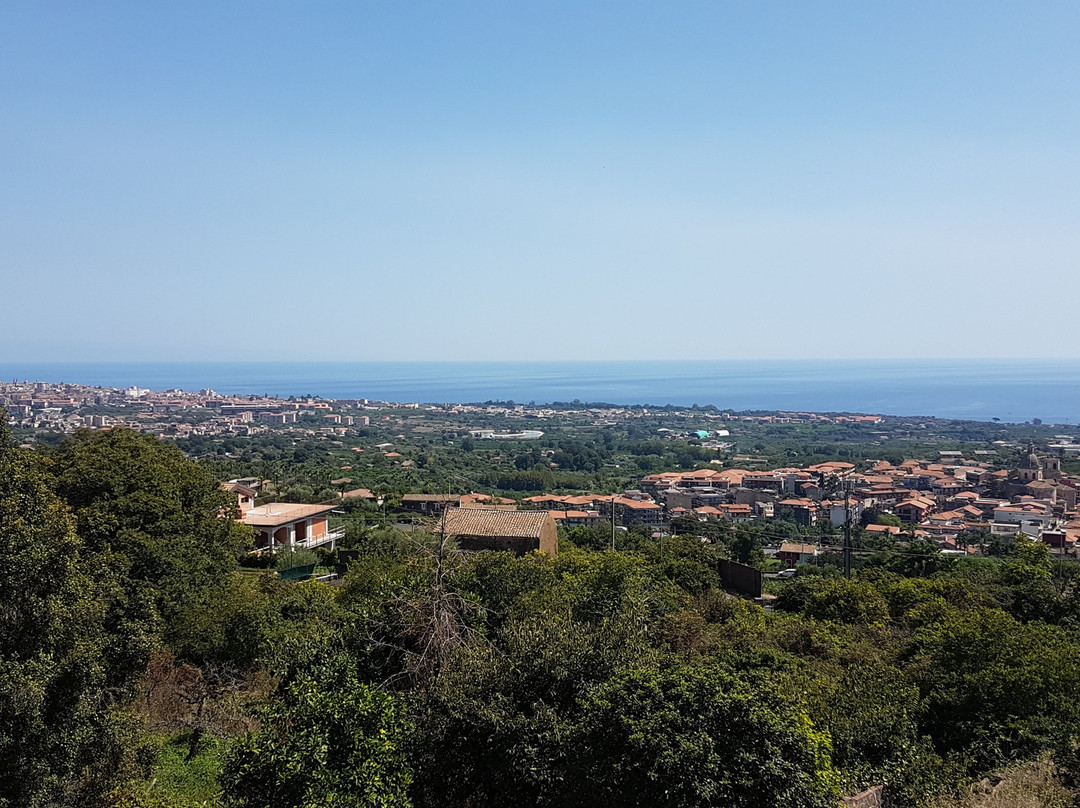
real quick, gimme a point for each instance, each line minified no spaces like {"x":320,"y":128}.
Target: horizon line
{"x":320,"y":361}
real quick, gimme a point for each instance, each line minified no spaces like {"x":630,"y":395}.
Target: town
{"x":960,"y":487}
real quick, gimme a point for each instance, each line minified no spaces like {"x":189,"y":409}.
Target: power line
{"x":828,"y":547}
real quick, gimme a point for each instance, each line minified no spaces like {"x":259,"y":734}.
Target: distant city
{"x":178,"y":413}
{"x":942,"y":498}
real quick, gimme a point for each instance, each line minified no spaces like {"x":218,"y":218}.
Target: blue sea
{"x":1010,"y":390}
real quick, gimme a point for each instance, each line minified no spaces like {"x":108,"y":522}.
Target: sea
{"x":1014,"y":391}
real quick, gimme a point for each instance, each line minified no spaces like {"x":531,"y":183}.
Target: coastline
{"x":1010,"y":390}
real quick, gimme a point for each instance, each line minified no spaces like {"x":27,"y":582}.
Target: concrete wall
{"x":549,"y":538}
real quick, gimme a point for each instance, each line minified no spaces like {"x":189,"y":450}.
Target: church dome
{"x":1032,"y":461}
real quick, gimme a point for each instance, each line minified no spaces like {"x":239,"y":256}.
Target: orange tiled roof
{"x":795,"y":547}
{"x":482,"y":522}
{"x":282,"y":513}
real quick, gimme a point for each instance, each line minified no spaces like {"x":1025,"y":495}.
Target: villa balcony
{"x":330,"y":537}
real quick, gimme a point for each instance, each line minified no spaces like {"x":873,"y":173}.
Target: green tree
{"x":143,"y":502}
{"x":746,"y":548}
{"x":996,"y":689}
{"x":871,"y":714}
{"x":519,"y":695}
{"x":328,"y":739}
{"x":68,"y":655}
{"x":839,"y":599}
{"x":695,"y":737}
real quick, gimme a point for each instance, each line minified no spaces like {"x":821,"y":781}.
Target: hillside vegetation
{"x":142,"y":667}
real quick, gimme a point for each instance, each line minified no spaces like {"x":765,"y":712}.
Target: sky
{"x":538,"y":180}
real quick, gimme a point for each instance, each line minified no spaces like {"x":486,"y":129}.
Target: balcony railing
{"x":332,"y":535}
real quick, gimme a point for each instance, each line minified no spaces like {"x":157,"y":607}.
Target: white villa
{"x":288,"y":524}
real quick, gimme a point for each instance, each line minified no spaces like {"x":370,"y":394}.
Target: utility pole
{"x":847,"y":530}
{"x":612,"y":521}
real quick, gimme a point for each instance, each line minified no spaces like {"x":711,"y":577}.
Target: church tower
{"x":1030,"y":469}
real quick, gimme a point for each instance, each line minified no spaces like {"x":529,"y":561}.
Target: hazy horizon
{"x":1012,"y":390}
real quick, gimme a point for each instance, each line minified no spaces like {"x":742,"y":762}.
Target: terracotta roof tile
{"x":484,"y":522}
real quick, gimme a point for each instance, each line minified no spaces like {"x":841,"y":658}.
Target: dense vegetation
{"x":141,"y":667}
{"x":577,"y":452}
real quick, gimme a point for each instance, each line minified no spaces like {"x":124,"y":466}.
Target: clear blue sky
{"x":538,"y":180}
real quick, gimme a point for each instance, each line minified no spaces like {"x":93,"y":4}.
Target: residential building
{"x":288,"y":524}
{"x":245,"y":495}
{"x":430,"y":503}
{"x":518,"y":532}
{"x":576,"y":518}
{"x":802,"y":511}
{"x":631,"y":511}
{"x":915,"y":510}
{"x":792,"y":553}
